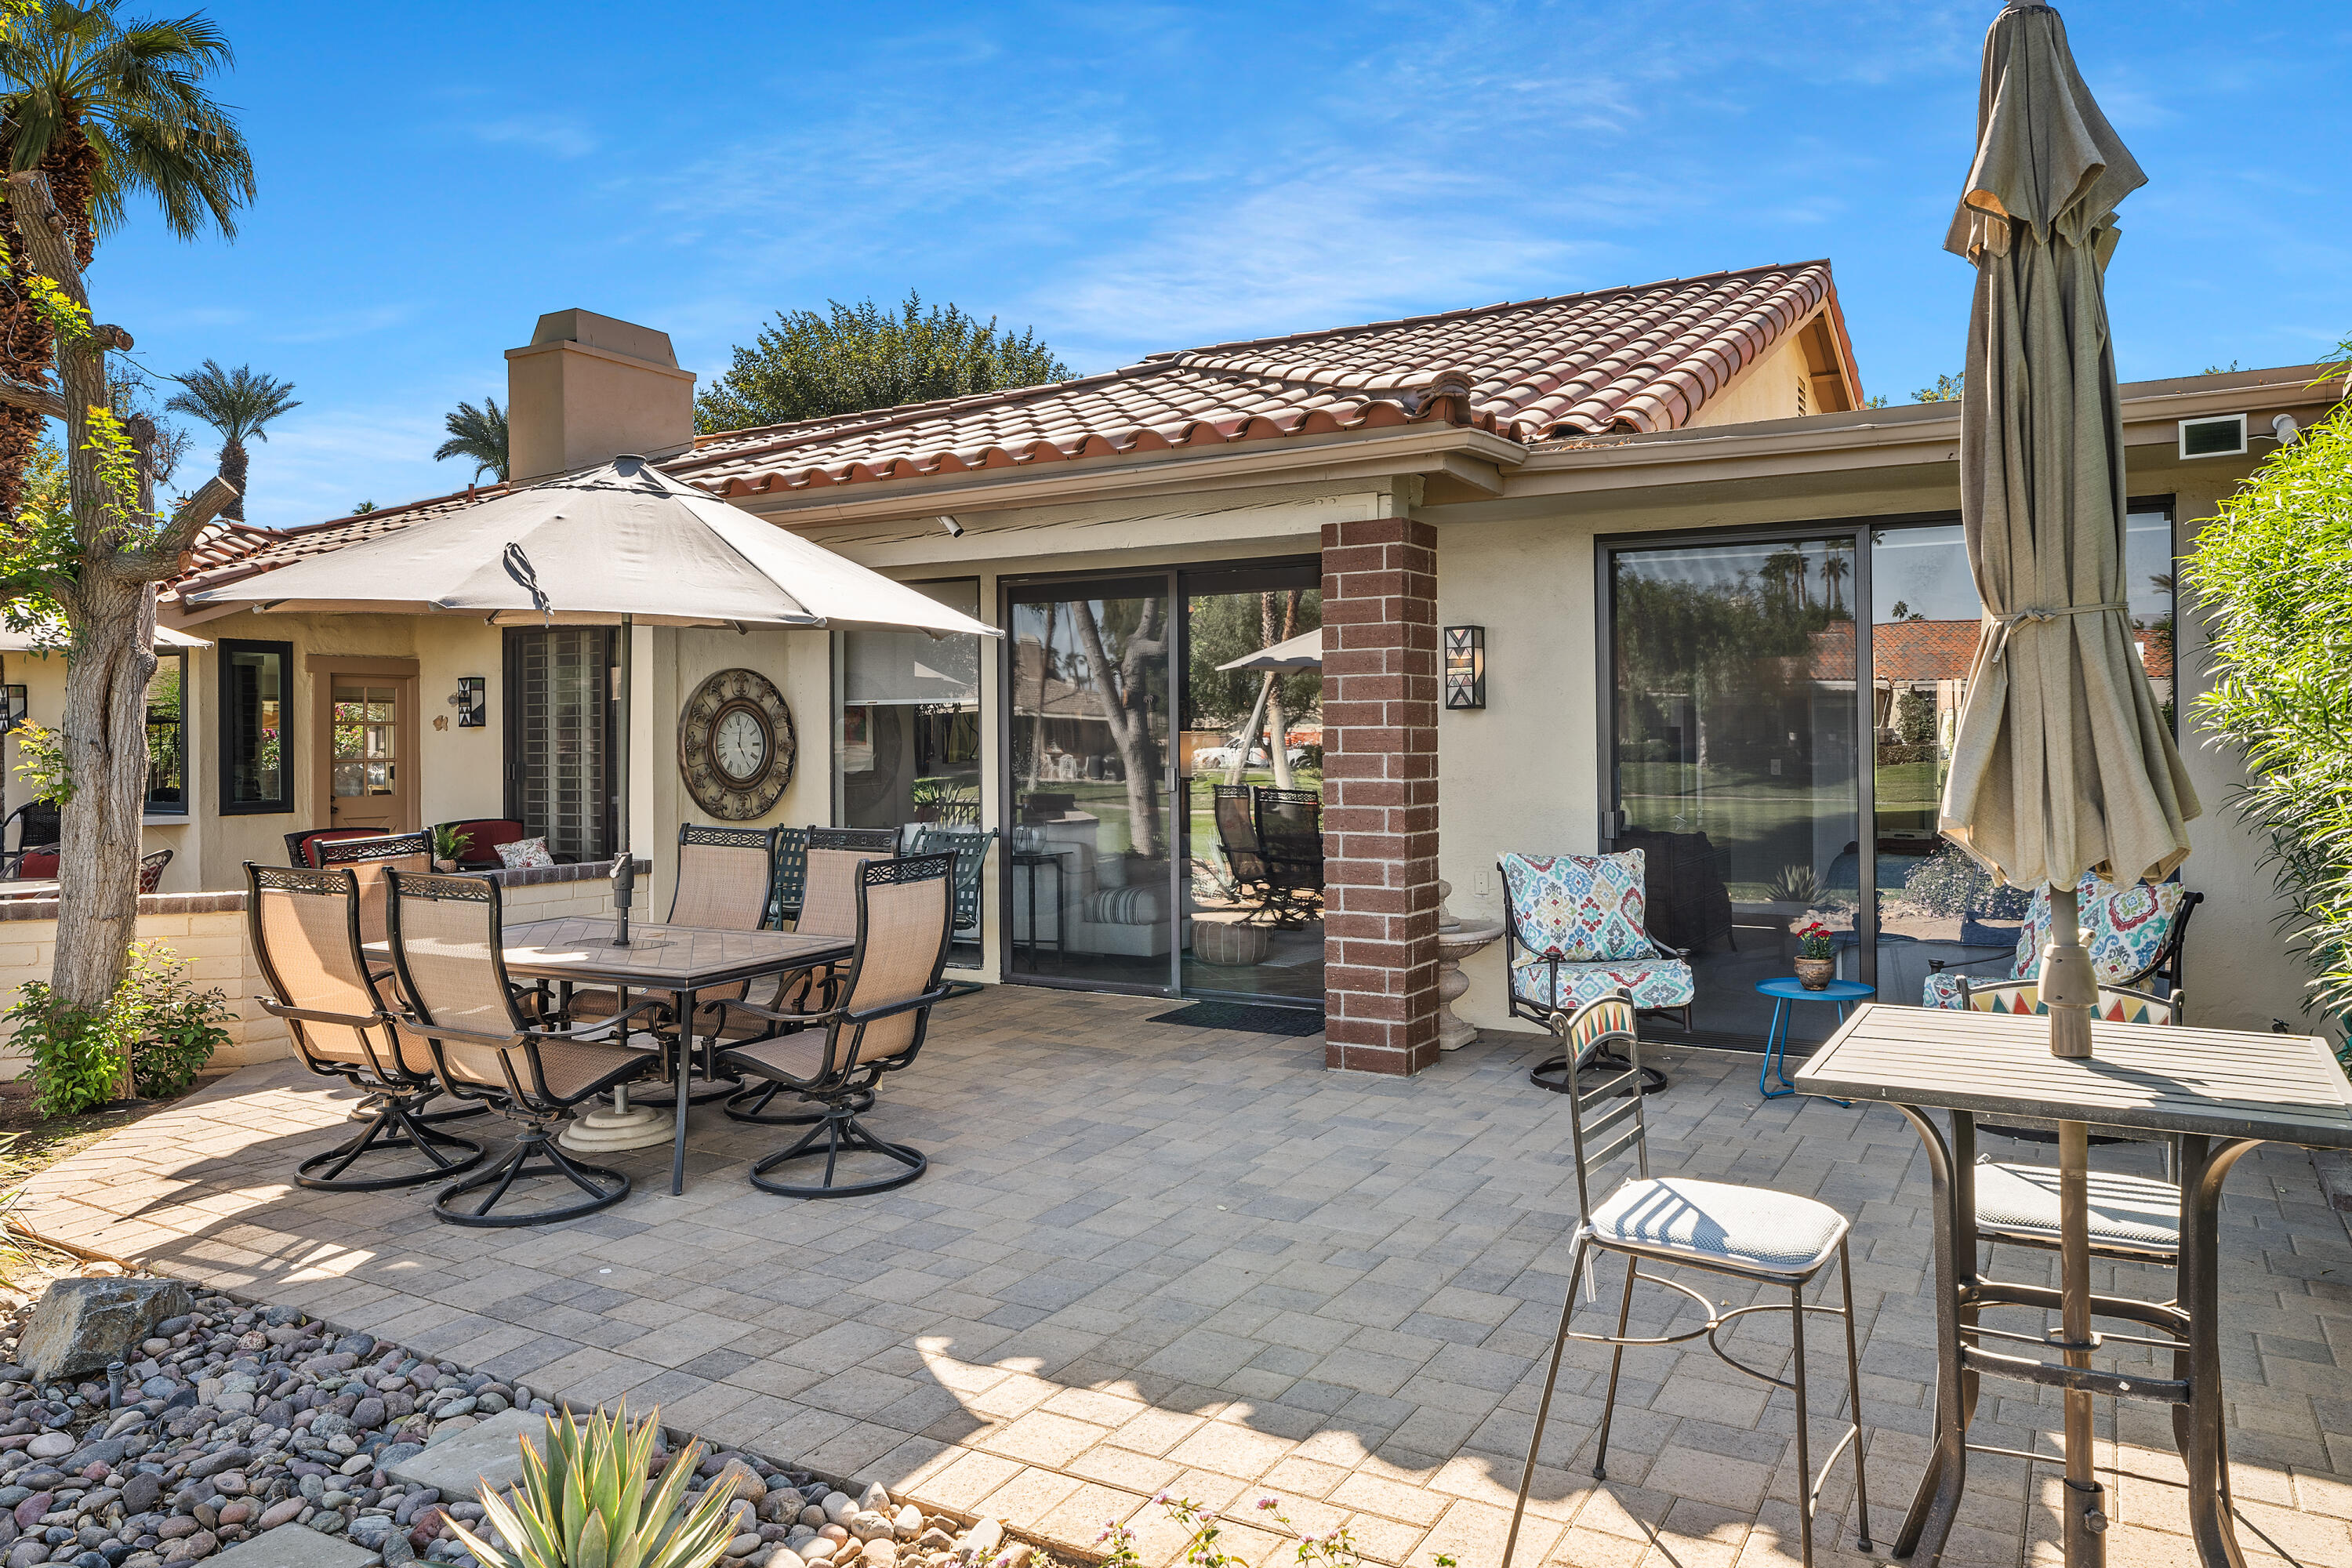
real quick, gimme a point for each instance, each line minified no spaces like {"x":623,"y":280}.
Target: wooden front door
{"x":367,"y":740}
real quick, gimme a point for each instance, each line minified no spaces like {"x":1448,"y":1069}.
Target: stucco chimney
{"x":589,"y":388}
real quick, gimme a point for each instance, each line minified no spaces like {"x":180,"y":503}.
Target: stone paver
{"x":296,"y":1546}
{"x":462,"y":1463}
{"x":1149,"y":1258}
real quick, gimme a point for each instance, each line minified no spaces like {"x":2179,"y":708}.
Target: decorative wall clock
{"x":736,"y":746}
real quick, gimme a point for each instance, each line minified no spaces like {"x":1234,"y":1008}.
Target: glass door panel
{"x":1091,"y":888}
{"x":1252,"y":820}
{"x":1734,"y":760}
{"x":364,"y":784}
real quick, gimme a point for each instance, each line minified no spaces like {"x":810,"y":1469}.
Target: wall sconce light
{"x":471,"y":701}
{"x":1465,"y":667}
{"x":12,"y":706}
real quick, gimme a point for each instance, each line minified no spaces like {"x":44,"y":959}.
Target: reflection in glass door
{"x":1090,"y":877}
{"x":1734,"y":760}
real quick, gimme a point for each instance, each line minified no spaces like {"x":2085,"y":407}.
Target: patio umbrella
{"x":619,"y":544}
{"x":1303,"y":651}
{"x":2063,"y":763}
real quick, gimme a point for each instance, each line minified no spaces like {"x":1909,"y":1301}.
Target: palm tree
{"x":239,"y":405}
{"x":479,"y":434}
{"x":107,"y":109}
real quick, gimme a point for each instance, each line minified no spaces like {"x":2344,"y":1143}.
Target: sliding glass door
{"x":1744,"y":755}
{"x":1165,"y":783}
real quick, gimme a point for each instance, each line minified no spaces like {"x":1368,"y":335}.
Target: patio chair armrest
{"x":416,"y":1026}
{"x":591,"y":1034}
{"x":927,"y":999}
{"x":1667,"y":949}
{"x":1938,"y":965}
{"x":278,"y":1010}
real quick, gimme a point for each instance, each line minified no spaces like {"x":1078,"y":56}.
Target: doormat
{"x":1246,"y":1017}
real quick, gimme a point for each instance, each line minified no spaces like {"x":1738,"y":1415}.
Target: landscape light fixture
{"x":1465,"y":667}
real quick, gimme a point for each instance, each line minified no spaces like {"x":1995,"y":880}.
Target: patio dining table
{"x":682,"y":962}
{"x":2220,"y":1093}
{"x":38,"y":888}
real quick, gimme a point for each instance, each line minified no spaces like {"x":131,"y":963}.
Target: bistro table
{"x":2221,"y":1093}
{"x":680,"y":961}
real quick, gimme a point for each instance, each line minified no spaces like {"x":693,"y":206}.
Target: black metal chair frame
{"x":1293,"y":859}
{"x":1552,"y":1072}
{"x":535,"y":1109}
{"x":789,"y":877}
{"x":970,"y":847}
{"x":844,"y":1088}
{"x":1595,"y":1145}
{"x":397,"y":1095}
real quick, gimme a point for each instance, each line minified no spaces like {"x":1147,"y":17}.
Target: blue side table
{"x":1784,"y":990}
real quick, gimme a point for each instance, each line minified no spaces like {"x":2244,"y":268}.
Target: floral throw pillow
{"x":524,"y":854}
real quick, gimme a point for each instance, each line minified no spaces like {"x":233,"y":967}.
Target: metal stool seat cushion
{"x":1772,"y":1232}
{"x":2020,"y":1203}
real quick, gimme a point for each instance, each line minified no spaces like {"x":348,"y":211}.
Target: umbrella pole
{"x":2069,"y":988}
{"x":625,"y":861}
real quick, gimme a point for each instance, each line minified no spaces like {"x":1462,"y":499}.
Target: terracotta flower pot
{"x":1815,"y":974}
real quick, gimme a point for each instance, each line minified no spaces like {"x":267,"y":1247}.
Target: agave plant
{"x":585,"y":1503}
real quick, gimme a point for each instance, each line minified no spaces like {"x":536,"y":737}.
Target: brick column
{"x":1379,"y":795}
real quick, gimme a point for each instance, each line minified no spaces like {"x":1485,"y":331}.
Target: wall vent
{"x":2221,"y":437}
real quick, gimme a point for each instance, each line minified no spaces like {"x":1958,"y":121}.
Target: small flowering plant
{"x":1333,"y":1549}
{"x":1813,"y":939}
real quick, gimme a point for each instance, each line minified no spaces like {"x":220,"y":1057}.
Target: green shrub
{"x":2273,"y":573}
{"x":157,"y":1020}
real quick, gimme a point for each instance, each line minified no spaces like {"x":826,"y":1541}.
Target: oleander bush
{"x":2274,"y":576}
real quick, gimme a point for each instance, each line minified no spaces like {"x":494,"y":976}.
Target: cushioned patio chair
{"x":2134,"y":935}
{"x":1235,"y":810}
{"x":305,"y":928}
{"x":1771,"y":1240}
{"x":455,"y":998}
{"x":298,"y":850}
{"x":830,"y":863}
{"x":1574,"y":931}
{"x":905,"y":916}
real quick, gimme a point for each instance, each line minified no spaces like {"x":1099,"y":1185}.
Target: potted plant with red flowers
{"x":1816,"y":953}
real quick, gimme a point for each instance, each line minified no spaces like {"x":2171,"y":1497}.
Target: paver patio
{"x":1154,"y":1257}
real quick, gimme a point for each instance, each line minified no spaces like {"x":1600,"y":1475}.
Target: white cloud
{"x":558,"y":135}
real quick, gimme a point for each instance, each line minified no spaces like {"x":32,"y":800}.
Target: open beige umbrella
{"x":2063,"y":763}
{"x":1303,"y":651}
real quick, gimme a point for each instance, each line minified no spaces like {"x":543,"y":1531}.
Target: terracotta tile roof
{"x":1635,"y":359}
{"x":1912,"y":651}
{"x":253,"y":549}
{"x":1644,"y":358}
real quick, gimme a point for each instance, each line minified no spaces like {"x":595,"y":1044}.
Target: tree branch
{"x":39,"y":399}
{"x":160,"y":562}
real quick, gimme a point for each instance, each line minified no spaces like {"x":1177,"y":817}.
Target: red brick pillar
{"x":1379,"y":795}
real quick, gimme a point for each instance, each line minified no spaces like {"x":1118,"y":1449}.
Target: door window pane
{"x":1253,"y":812}
{"x":1091,"y":891}
{"x":256,"y":727}
{"x":1734,"y":760}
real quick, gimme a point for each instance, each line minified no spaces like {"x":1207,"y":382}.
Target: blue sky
{"x":1130,"y":178}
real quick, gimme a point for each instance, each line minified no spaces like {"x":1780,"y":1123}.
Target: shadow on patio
{"x":1151,"y":1258}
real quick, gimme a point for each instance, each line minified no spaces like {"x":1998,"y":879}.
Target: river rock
{"x":838,"y":1507}
{"x":867,"y":1525}
{"x":743,"y":1480}
{"x":80,"y":1325}
{"x":880,"y":1552}
{"x":908,"y":1523}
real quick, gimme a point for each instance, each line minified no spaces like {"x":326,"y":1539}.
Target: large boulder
{"x":80,"y":1325}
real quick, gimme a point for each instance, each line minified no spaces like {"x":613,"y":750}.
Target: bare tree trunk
{"x":1246,"y":737}
{"x":1130,"y":731}
{"x":1044,"y":674}
{"x":233,"y":463}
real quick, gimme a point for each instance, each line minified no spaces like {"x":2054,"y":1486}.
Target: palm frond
{"x":479,"y":434}
{"x":239,"y":404}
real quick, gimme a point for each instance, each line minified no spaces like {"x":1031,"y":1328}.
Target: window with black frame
{"x":907,"y":746}
{"x":167,"y":735}
{"x":256,"y":727}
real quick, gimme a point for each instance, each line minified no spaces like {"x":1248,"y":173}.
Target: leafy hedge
{"x":2273,"y":573}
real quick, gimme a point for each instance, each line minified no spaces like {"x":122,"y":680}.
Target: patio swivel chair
{"x":1235,"y":809}
{"x":726,"y":880}
{"x":970,"y":845}
{"x":1574,"y":931}
{"x":830,"y":863}
{"x":905,"y":918}
{"x":1290,"y":837}
{"x":455,"y":999}
{"x":369,"y":856}
{"x":305,"y":928}
{"x":1776,"y":1241}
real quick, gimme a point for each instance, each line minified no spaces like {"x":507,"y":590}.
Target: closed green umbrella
{"x":2063,"y":763}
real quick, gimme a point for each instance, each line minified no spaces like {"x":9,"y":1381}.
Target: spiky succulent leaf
{"x":585,"y":1502}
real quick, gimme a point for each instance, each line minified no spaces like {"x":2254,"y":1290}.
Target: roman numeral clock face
{"x":735,"y":745}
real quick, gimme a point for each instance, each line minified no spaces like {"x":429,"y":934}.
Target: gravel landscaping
{"x":224,"y":1420}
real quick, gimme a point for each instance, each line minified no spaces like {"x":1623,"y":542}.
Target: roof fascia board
{"x":1317,"y":459}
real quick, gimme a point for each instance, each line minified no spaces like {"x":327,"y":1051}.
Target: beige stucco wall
{"x":1774,"y":388}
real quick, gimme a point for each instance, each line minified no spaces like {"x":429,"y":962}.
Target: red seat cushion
{"x":38,"y":863}
{"x":312,"y":841}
